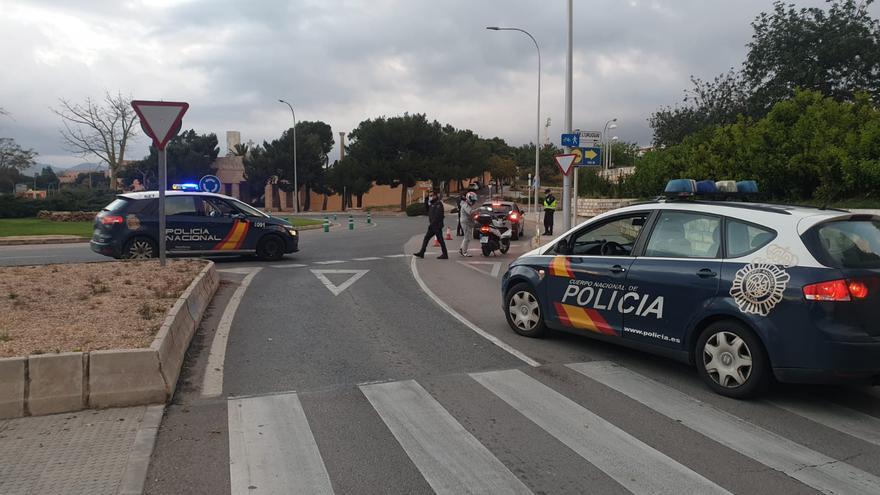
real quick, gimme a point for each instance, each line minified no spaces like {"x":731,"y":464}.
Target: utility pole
{"x":566,"y":181}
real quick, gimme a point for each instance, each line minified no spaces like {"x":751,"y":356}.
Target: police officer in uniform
{"x":549,"y":209}
{"x":435,"y":227}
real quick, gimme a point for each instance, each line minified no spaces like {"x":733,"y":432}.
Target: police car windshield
{"x":248,"y":209}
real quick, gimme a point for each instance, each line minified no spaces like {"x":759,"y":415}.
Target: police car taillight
{"x":111,"y":220}
{"x":836,"y":290}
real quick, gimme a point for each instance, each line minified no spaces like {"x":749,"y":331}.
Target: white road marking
{"x":479,"y":331}
{"x":396,"y":255}
{"x":237,"y":271}
{"x":836,"y":417}
{"x":371,"y":258}
{"x":338,"y":289}
{"x":332,"y":262}
{"x":617,"y":453}
{"x":812,"y":468}
{"x":292,"y":265}
{"x":212,"y":383}
{"x":493,"y":272}
{"x":448,"y":456}
{"x":272,"y":449}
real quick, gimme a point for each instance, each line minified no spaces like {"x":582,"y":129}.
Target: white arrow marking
{"x":496,"y":267}
{"x":337,"y":289}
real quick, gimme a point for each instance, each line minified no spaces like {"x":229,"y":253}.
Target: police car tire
{"x":270,"y":255}
{"x":146,"y":242}
{"x":759,"y":376}
{"x":540,"y":329}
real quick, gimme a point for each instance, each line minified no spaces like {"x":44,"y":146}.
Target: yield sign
{"x":160,"y":119}
{"x":494,"y":267}
{"x":565,"y":161}
{"x":337,"y":289}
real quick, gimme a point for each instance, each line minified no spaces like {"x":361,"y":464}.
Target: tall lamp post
{"x":607,"y":141}
{"x":537,"y":126}
{"x":295,"y":185}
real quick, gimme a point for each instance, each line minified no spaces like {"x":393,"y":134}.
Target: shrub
{"x":416,"y":209}
{"x":68,"y":200}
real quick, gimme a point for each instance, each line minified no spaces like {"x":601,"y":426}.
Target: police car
{"x":196,"y":223}
{"x":745,"y":291}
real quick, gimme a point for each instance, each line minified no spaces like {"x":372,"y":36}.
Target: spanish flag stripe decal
{"x":243,"y":235}
{"x":586,"y":319}
{"x":228,"y":235}
{"x":561,"y":267}
{"x":235,"y":238}
{"x":602,"y":326}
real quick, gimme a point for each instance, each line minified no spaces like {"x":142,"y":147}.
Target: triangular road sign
{"x":337,"y":289}
{"x":493,"y":271}
{"x":160,"y":120}
{"x":565,"y":161}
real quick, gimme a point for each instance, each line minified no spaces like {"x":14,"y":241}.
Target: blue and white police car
{"x":196,"y":223}
{"x":745,"y":291}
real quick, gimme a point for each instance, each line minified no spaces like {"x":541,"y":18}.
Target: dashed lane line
{"x":292,"y":265}
{"x":371,"y":258}
{"x":331,"y":262}
{"x":212,"y":384}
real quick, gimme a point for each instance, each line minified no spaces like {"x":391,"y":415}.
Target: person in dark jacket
{"x":549,"y":210}
{"x":435,"y":227}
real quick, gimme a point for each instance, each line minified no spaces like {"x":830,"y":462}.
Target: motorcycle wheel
{"x":505,"y":245}
{"x":486,"y":250}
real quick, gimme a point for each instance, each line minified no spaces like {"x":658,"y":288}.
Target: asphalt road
{"x":379,"y":389}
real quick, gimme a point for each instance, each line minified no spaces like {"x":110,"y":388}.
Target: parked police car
{"x":197,"y":223}
{"x":744,"y":291}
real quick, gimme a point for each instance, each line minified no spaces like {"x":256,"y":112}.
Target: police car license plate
{"x":484,"y":239}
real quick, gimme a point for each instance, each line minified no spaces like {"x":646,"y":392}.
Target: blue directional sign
{"x":590,"y":157}
{"x":571,"y":140}
{"x":210,"y":183}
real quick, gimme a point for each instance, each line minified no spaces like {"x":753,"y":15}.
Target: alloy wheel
{"x":524,"y":310}
{"x":727,"y":359}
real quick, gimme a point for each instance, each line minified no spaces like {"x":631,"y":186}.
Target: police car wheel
{"x":139,"y":248}
{"x":731,"y":360}
{"x":270,"y":248}
{"x":524,"y":311}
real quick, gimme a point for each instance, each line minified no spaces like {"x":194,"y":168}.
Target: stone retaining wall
{"x":70,"y":381}
{"x":67,"y":216}
{"x":590,"y":207}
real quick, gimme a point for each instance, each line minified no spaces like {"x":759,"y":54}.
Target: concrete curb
{"x":56,"y":383}
{"x":46,"y":240}
{"x":135,"y":476}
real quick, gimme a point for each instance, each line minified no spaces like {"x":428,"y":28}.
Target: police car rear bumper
{"x":846,"y":362}
{"x":109,"y":248}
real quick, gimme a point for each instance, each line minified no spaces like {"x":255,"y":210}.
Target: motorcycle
{"x":495,"y":232}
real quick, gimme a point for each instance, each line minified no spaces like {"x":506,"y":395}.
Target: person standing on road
{"x":461,"y":200}
{"x":549,"y":210}
{"x":466,"y":220}
{"x":435,"y":227}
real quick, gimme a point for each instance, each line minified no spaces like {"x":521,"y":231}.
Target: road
{"x":350,"y":368}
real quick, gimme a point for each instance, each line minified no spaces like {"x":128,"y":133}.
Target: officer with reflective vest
{"x":549,"y":209}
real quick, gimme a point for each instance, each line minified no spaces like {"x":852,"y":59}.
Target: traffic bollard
{"x":326,"y":224}
{"x":369,"y":217}
{"x":334,"y":217}
{"x":350,"y":222}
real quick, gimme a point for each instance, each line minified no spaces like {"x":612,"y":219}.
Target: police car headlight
{"x":292,"y":232}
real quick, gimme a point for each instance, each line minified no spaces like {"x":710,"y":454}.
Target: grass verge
{"x":36,"y":226}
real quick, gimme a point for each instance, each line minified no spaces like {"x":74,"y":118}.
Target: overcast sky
{"x":346,"y":61}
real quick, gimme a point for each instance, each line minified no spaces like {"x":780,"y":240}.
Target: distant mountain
{"x":86,"y":167}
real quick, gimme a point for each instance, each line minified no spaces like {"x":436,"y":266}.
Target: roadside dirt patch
{"x":87,"y":306}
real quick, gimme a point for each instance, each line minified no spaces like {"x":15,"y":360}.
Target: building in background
{"x":230,"y":170}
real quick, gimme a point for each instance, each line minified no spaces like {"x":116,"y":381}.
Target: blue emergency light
{"x":189,"y":186}
{"x":690,"y":187}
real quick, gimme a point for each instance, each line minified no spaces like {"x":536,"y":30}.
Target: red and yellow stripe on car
{"x":561,"y":267}
{"x":235,"y":238}
{"x":583,"y":318}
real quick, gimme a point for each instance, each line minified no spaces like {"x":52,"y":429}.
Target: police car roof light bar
{"x":720,"y":190}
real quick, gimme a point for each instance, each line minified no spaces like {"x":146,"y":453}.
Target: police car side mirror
{"x":237,"y":215}
{"x":561,"y":247}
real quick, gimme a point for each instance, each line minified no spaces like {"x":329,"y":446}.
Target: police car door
{"x":676,"y":277}
{"x":182,"y":222}
{"x":587,"y":282}
{"x":224,"y":230}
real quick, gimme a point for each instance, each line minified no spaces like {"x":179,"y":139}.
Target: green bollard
{"x":326,"y":224}
{"x":334,"y":217}
{"x":350,"y":222}
{"x":369,"y":217}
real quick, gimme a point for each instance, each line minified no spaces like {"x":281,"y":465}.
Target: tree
{"x":189,"y":157}
{"x":525,"y":160}
{"x":46,"y":177}
{"x":348,"y":178}
{"x":240,"y":150}
{"x":834,"y":51}
{"x":397,"y":151}
{"x":99,"y":128}
{"x":13,"y":159}
{"x":502,"y":168}
{"x":314,"y":140}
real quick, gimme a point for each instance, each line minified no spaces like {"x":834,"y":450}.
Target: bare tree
{"x":99,"y":128}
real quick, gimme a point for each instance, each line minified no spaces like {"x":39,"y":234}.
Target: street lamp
{"x":605,"y":137}
{"x":295,"y":185}
{"x":610,"y":163}
{"x":537,"y":127}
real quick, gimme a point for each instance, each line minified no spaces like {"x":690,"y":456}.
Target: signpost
{"x":590,"y":157}
{"x":161,"y":120}
{"x":589,"y":138}
{"x":571,"y":140}
{"x":210,"y":183}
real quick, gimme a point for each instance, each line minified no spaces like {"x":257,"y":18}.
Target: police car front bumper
{"x":845,"y":362}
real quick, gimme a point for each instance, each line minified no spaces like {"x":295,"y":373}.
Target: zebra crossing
{"x":272,"y":447}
